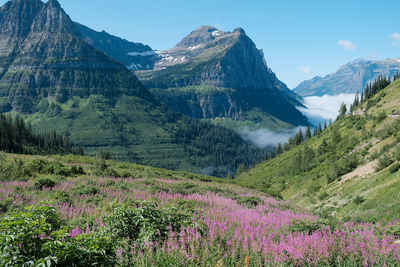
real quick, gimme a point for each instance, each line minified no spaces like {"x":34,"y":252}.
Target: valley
{"x":113,"y":153}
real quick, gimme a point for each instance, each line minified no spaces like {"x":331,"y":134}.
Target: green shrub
{"x":249,"y":201}
{"x":323,"y":196}
{"x":394,"y":167}
{"x":308,"y":226}
{"x":384,"y":162}
{"x":146,"y":222}
{"x":47,"y":167}
{"x":61,"y":197}
{"x":41,"y":183}
{"x":5,"y":205}
{"x":85,"y":190}
{"x":77,"y":170}
{"x":35,"y":237}
{"x":358,"y":200}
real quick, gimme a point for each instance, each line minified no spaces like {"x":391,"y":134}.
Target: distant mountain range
{"x":211,"y":74}
{"x":50,"y":73}
{"x":349,"y":79}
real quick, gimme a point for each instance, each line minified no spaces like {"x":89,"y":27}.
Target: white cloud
{"x":305,"y":69}
{"x":324,"y":108}
{"x":347,"y":45}
{"x":263,"y":138}
{"x":396,"y":39}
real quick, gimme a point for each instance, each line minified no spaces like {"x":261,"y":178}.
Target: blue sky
{"x":300,"y":38}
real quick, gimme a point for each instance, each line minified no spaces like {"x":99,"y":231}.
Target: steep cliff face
{"x":350,"y":78}
{"x":42,"y":55}
{"x":220,"y":74}
{"x":60,"y":82}
{"x":135,"y":56}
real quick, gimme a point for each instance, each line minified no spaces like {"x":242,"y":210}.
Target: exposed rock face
{"x":42,"y":55}
{"x":230,"y":76}
{"x":61,"y":82}
{"x":135,"y":56}
{"x":349,"y":79}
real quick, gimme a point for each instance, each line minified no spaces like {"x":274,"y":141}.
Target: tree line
{"x":372,"y":89}
{"x":17,"y":136}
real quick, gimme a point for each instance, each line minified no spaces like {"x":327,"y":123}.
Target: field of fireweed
{"x":167,"y":222}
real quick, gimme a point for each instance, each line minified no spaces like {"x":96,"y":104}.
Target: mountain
{"x":60,"y":82}
{"x":135,"y":56}
{"x":214,"y":74}
{"x":350,"y":170}
{"x":349,"y":79}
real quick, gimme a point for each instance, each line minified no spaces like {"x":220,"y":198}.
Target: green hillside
{"x":57,"y":81}
{"x":82,"y":211}
{"x":350,"y":170}
{"x":149,"y":134}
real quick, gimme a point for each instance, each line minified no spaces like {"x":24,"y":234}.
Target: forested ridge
{"x":16,"y":136}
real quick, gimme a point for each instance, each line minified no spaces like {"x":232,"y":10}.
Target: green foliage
{"x":146,"y":222}
{"x":393,"y":229}
{"x":147,"y":134}
{"x":100,"y":165}
{"x":85,"y":190}
{"x":35,"y":237}
{"x":42,"y":183}
{"x":250,"y":202}
{"x":384,"y":162}
{"x":303,"y":160}
{"x":358,"y":200}
{"x":394,"y":167}
{"x":19,"y":137}
{"x":342,"y":110}
{"x":308,"y":226}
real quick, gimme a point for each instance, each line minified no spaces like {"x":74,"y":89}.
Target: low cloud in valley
{"x":321,"y":108}
{"x":264,"y":138}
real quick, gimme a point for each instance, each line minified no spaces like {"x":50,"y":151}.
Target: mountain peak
{"x":54,"y":4}
{"x":359,"y":60}
{"x":53,"y":18}
{"x":239,"y":30}
{"x":202,"y":35}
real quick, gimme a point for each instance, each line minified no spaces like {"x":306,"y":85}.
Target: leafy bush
{"x":308,"y":226}
{"x":394,"y":167}
{"x":85,"y":190}
{"x":146,"y":223}
{"x":358,"y":200}
{"x":5,"y":205}
{"x":384,"y":162}
{"x":50,"y":167}
{"x":35,"y":237}
{"x":77,"y":170}
{"x":41,"y":183}
{"x":249,"y":201}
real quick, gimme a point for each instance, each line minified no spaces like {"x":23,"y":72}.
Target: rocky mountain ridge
{"x":60,"y":82}
{"x":212,"y":74}
{"x":349,"y":79}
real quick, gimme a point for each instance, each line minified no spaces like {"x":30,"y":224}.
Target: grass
{"x":141,"y":216}
{"x":146,"y":134}
{"x":365,"y":138}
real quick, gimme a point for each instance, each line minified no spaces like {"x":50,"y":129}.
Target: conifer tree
{"x":342,"y":110}
{"x":279,"y":149}
{"x":308,"y":133}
